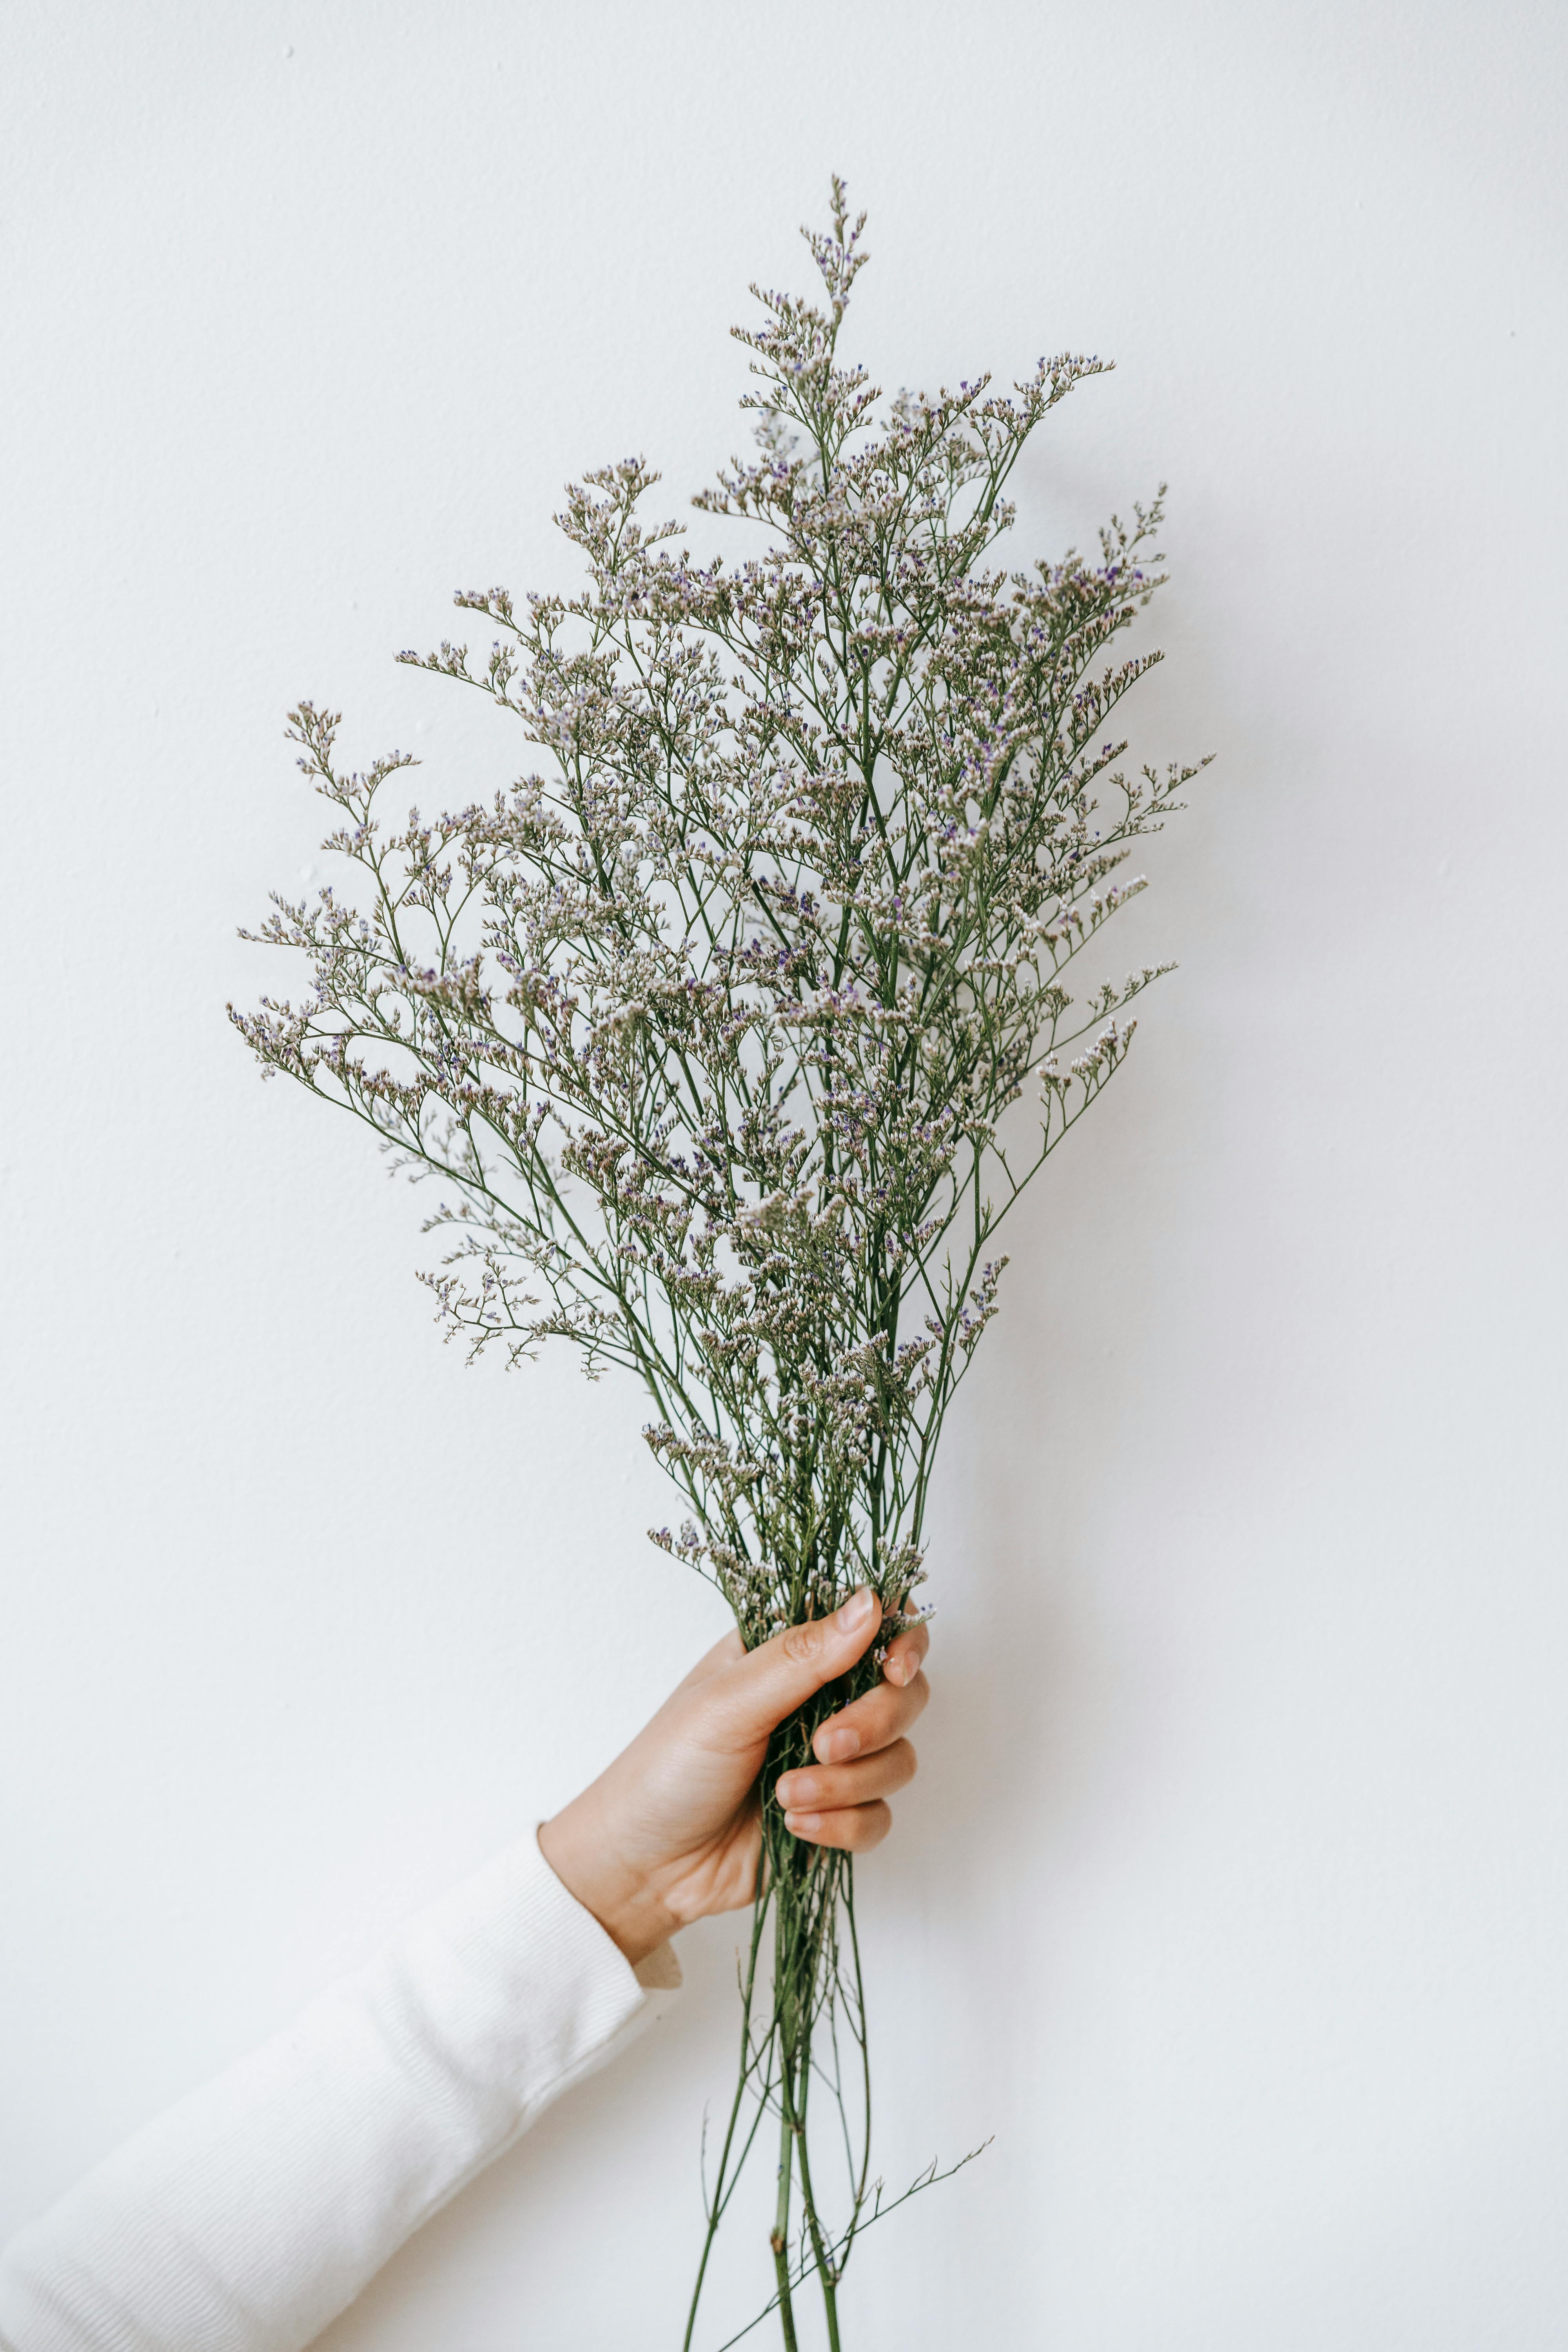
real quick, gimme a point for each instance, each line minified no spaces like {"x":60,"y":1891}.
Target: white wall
{"x":1232,"y":1896}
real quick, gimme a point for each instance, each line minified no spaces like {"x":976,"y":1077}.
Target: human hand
{"x":672,"y":1829}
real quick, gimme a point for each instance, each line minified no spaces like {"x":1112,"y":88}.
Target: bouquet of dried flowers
{"x":714,"y":1027}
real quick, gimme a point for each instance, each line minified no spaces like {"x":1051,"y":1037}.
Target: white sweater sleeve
{"x":251,"y":2214}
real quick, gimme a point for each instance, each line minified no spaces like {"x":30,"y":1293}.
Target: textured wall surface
{"x":1231,"y":1898}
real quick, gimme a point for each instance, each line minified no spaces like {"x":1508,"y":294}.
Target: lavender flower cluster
{"x":711,"y":1026}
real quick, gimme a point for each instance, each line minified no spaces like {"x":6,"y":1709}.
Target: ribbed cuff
{"x":246,"y":2217}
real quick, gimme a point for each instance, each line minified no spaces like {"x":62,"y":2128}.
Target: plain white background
{"x":1231,"y":1899}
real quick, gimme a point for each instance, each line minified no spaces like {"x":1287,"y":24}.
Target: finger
{"x":903,"y":1663}
{"x":779,"y":1675}
{"x":725,"y":1653}
{"x":856,"y":1830}
{"x":826,"y":1788}
{"x":875,"y":1721}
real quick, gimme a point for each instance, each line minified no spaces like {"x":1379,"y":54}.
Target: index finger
{"x":903,"y":1663}
{"x":726,"y":1651}
{"x":876,"y":1719}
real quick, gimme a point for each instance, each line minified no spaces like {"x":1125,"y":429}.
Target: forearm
{"x":251,"y":2214}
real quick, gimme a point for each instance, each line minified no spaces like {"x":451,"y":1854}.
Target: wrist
{"x":583,"y":1858}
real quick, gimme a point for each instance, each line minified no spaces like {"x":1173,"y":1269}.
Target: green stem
{"x":748,"y":2067}
{"x":780,"y":2239}
{"x":826,"y":2275}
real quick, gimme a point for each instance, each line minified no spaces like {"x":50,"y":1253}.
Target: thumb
{"x":779,"y":1675}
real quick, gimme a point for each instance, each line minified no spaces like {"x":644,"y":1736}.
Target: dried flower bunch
{"x":711,"y":1026}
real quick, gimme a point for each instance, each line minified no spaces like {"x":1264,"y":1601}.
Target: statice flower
{"x":732,"y":1031}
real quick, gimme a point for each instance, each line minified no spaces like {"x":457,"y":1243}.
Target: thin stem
{"x":779,"y":2240}
{"x":721,"y":2196}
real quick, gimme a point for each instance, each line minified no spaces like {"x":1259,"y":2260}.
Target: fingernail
{"x":837,"y":1743}
{"x":803,"y":1824}
{"x":795,"y":1788}
{"x":857,"y":1609}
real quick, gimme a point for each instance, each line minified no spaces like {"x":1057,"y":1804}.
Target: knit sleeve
{"x":251,"y":2214}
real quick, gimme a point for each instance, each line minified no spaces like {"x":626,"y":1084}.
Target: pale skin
{"x":671,"y":1831}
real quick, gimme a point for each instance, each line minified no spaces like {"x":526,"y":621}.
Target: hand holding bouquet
{"x":733,"y":1031}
